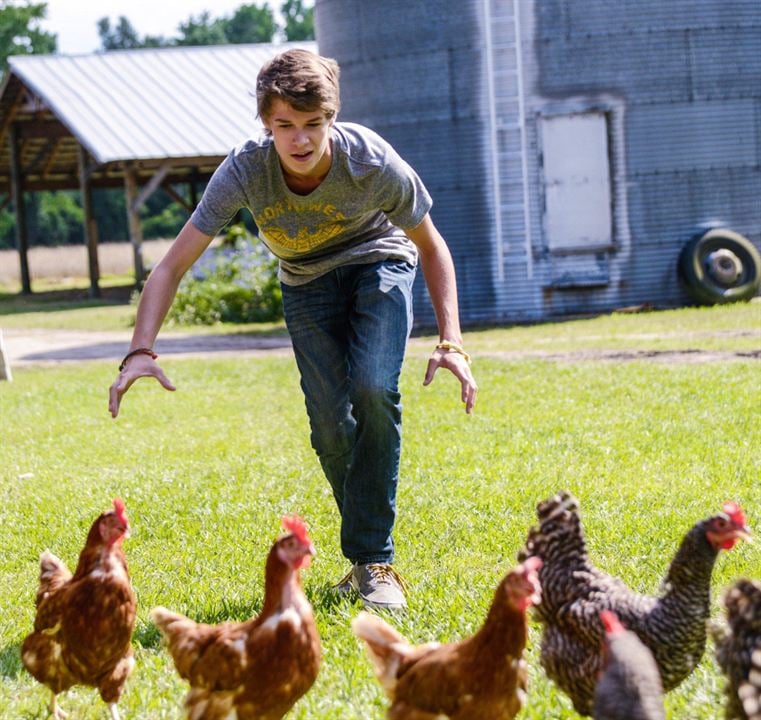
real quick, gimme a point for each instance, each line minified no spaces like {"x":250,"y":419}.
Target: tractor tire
{"x":720,"y":266}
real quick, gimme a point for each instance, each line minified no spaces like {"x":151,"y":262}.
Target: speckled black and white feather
{"x":672,"y":625}
{"x":738,"y":650}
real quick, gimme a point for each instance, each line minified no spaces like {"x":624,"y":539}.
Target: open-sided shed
{"x":142,"y":119}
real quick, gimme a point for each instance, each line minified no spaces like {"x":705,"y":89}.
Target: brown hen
{"x":84,"y":623}
{"x":480,"y":678}
{"x":257,"y":669}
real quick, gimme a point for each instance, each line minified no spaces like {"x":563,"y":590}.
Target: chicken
{"x":83,"y":628}
{"x":257,"y":669}
{"x":480,"y":678}
{"x":672,"y":625}
{"x":738,"y":650}
{"x":630,"y":685}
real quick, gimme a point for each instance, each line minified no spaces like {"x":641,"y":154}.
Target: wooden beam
{"x":22,"y":241}
{"x":45,"y":153}
{"x":51,"y":158}
{"x":133,"y":223}
{"x":47,"y":129}
{"x":90,"y":224}
{"x":194,"y":187}
{"x":12,"y":109}
{"x":151,"y":186}
{"x":174,"y":195}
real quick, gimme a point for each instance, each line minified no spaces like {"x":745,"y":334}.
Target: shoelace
{"x":345,"y":580}
{"x":382,"y":572}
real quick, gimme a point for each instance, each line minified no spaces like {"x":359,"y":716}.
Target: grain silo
{"x":573,"y":148}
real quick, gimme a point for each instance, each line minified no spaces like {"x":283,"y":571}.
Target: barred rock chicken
{"x":257,"y":669}
{"x":481,"y":678}
{"x":738,"y":650}
{"x":630,"y":685}
{"x":672,"y":625}
{"x":83,"y":628}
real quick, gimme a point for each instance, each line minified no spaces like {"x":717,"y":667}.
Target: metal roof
{"x":151,"y":103}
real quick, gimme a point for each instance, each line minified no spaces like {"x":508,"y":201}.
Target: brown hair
{"x":303,"y":79}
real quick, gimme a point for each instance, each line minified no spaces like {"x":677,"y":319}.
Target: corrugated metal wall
{"x":414,"y":72}
{"x":461,"y":88}
{"x":688,"y":77}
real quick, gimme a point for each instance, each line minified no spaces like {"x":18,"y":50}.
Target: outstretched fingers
{"x":460,"y":368}
{"x":138,"y":368}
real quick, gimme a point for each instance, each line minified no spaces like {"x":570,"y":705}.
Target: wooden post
{"x":193,"y":188}
{"x":133,"y":222}
{"x":5,"y":366}
{"x":17,"y":193}
{"x":90,"y":225}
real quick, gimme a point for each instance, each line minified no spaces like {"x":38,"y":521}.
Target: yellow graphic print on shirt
{"x":291,"y":229}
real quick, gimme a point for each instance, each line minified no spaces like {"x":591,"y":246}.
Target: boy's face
{"x":302,"y":140}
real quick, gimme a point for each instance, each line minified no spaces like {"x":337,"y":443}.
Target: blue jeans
{"x":349,"y":330}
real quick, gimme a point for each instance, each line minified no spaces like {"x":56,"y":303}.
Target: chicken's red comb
{"x":119,"y":509}
{"x":294,"y":524}
{"x":611,"y":622}
{"x":735,"y":513}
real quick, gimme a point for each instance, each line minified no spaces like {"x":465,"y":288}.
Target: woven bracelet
{"x":132,"y":353}
{"x":450,"y":346}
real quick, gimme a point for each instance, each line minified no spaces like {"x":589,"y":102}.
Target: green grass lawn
{"x":207,"y":472}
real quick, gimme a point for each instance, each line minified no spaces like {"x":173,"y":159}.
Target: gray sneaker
{"x":379,"y":586}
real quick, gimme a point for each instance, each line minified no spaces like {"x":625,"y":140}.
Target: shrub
{"x":234,"y":282}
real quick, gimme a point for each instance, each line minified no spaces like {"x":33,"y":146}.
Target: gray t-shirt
{"x":354,"y":216}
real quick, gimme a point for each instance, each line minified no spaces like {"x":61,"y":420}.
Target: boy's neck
{"x":302,"y":185}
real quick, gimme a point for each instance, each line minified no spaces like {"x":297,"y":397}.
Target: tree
{"x":299,"y":20}
{"x":250,"y":24}
{"x":20,"y":32}
{"x":124,"y":36}
{"x":201,"y":30}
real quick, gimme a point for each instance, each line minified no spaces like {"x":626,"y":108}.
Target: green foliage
{"x":122,"y":37}
{"x":20,"y":31}
{"x":207,"y":471}
{"x":59,"y":218}
{"x":235,"y":282}
{"x":201,"y":30}
{"x":250,"y":24}
{"x":299,"y":20}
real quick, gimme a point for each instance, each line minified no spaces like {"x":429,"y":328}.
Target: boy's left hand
{"x":458,"y":365}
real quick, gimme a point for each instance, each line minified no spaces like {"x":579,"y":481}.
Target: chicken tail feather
{"x":385,"y":646}
{"x":181,"y":638}
{"x":53,"y":575}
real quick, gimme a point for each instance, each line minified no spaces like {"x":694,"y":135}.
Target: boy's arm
{"x":439,"y":274}
{"x":155,"y":301}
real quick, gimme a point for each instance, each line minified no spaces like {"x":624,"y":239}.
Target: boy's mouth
{"x":300,"y":157}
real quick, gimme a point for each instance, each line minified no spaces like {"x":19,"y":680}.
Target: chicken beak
{"x":745,"y":534}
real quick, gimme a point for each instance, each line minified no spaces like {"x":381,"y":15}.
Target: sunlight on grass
{"x":208,"y":471}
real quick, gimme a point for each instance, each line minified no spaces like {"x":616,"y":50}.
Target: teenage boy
{"x":348,"y":220}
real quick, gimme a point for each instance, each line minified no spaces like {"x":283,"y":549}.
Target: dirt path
{"x":30,"y":347}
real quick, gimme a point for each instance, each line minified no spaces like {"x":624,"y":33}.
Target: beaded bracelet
{"x":453,"y":347}
{"x":138,"y":351}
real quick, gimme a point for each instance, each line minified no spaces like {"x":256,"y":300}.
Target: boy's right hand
{"x":136,"y":367}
